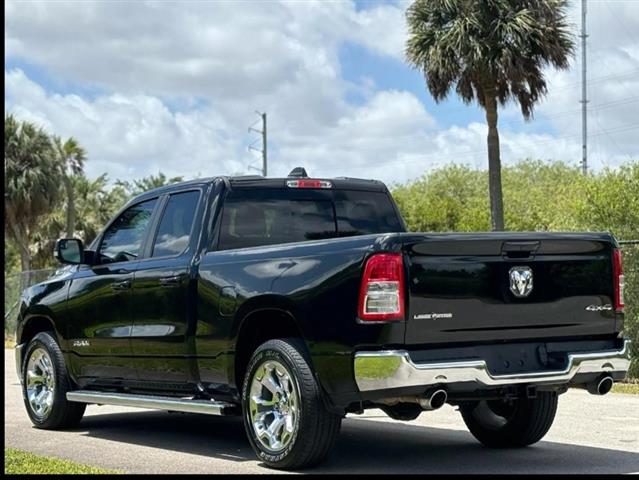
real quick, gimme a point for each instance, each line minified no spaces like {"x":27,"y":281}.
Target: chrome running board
{"x":209,"y":407}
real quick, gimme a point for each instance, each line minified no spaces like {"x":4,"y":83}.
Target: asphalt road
{"x":590,"y":435}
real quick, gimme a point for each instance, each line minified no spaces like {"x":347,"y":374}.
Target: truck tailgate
{"x":459,"y":286}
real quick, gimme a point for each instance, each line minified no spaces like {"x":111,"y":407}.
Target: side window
{"x":361,"y":213}
{"x":123,"y":239}
{"x":177,"y":221}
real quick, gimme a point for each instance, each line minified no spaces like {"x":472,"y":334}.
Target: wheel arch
{"x":259,"y":320}
{"x":33,"y":322}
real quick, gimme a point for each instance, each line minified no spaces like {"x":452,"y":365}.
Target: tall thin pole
{"x":264,"y":162}
{"x":584,"y":101}
{"x":262,"y":132}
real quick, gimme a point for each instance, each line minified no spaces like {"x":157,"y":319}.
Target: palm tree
{"x":95,"y":204}
{"x":491,"y":51}
{"x":32,"y":182}
{"x":147,"y":183}
{"x":71,"y":157}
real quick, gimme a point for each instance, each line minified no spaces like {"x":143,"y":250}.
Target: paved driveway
{"x":590,"y":435}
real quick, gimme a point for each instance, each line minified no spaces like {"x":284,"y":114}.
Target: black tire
{"x":316,"y":429}
{"x":501,"y":425}
{"x":62,"y":413}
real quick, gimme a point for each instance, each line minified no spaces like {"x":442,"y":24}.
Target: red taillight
{"x":381,"y":295}
{"x":307,"y":183}
{"x":617,"y":269}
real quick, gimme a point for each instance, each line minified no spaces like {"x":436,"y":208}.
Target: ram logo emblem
{"x":521,"y":281}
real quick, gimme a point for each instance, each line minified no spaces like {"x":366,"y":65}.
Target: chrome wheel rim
{"x":40,"y":383}
{"x":274,"y":406}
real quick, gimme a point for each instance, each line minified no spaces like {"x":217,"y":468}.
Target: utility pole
{"x":584,"y":101}
{"x":263,"y":149}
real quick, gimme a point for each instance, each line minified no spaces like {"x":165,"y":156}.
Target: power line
{"x":605,"y":78}
{"x":613,"y":141}
{"x":628,"y":31}
{"x":449,"y":111}
{"x":410,"y":139}
{"x":472,"y":152}
{"x":563,"y":113}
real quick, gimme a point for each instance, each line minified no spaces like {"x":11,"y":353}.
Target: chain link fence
{"x":13,"y":286}
{"x":630,"y":255}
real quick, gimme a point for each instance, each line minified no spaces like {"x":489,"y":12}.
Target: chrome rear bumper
{"x":394,"y":369}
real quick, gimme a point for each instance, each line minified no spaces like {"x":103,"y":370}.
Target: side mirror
{"x":69,"y":251}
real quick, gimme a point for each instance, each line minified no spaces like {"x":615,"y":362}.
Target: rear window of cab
{"x":255,"y":217}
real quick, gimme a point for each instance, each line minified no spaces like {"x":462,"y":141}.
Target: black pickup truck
{"x":295,"y":301}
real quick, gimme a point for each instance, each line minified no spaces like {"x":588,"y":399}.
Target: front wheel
{"x":45,"y":383}
{"x":286,"y":421}
{"x":518,"y":423}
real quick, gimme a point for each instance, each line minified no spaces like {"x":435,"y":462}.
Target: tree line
{"x":48,"y":196}
{"x":538,"y":196}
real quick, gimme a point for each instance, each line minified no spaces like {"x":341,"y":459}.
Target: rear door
{"x":164,"y":295}
{"x":460,"y":287}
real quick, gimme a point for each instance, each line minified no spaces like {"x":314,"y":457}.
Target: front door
{"x":100,"y":298}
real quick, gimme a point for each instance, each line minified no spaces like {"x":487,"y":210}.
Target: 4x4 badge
{"x":599,"y":308}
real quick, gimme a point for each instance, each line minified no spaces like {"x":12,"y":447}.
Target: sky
{"x":149,"y":86}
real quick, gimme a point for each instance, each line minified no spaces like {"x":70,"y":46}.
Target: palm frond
{"x":466,"y":45}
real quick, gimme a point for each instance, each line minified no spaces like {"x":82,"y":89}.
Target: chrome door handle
{"x":121,"y":285}
{"x":172,"y":281}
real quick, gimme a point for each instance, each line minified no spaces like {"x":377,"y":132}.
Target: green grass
{"x":21,"y":462}
{"x":632,"y":387}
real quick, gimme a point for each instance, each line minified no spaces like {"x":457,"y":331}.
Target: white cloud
{"x":382,"y":29}
{"x":128,"y":136}
{"x":219,"y":61}
{"x":220,"y":49}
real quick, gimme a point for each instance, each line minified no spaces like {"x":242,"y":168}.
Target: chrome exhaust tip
{"x":605,"y":385}
{"x":434,"y":400}
{"x":601,"y":386}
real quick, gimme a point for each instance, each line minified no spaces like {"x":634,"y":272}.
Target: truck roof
{"x":338,"y":183}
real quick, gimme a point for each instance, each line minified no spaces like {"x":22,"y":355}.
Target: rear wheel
{"x":45,"y":383}
{"x":286,"y":421}
{"x":519,"y":423}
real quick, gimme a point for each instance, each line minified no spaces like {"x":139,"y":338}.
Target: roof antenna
{"x":298,"y":172}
